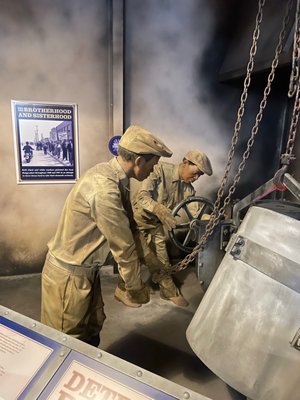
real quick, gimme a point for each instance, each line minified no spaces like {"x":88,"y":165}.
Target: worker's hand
{"x":141,"y":296}
{"x":205,"y":217}
{"x":165,"y":216}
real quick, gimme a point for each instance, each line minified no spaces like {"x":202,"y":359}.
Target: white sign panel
{"x":81,"y":382}
{"x":20,"y":359}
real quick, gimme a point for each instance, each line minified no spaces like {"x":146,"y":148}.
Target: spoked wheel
{"x":184,"y":236}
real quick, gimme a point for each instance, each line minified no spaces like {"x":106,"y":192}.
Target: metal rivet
{"x":6,"y":313}
{"x":201,"y":282}
{"x":99,"y":355}
{"x":61,"y":354}
{"x":235,"y":251}
{"x":64,"y":339}
{"x":33,"y":325}
{"x":139,"y":373}
{"x":186,"y":395}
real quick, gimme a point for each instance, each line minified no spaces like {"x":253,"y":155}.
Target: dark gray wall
{"x":185,"y":64}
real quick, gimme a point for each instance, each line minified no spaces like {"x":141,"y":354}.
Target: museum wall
{"x":168,"y":88}
{"x":185,"y":65}
{"x":173,"y":52}
{"x":50,"y":51}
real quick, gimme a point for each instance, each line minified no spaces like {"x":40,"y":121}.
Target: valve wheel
{"x":185,"y":235}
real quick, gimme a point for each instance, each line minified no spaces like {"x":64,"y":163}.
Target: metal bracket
{"x":263,"y":259}
{"x":281,"y":181}
{"x":296,"y":341}
{"x":292,"y":185}
{"x":227,"y":230}
{"x":258,"y":194}
{"x":236,"y":248}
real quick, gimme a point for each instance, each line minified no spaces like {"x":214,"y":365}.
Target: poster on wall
{"x":46,"y":142}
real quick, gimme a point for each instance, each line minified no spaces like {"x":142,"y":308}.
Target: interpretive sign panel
{"x":46,"y":142}
{"x":23,"y":356}
{"x":80,"y":377}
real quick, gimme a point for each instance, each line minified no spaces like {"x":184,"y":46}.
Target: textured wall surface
{"x":174,"y":51}
{"x":50,"y":51}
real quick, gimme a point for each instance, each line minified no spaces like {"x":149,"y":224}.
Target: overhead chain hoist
{"x":294,"y":90}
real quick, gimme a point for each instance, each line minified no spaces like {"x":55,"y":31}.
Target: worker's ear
{"x":139,"y":161}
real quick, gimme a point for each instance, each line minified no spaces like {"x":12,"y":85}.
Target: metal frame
{"x":70,"y":344}
{"x":281,"y":181}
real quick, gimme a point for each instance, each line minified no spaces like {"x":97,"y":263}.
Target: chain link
{"x":294,"y":90}
{"x":295,"y":57}
{"x":218,"y":211}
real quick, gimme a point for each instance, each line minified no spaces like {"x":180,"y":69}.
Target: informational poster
{"x":22,"y":355}
{"x":46,"y":142}
{"x":81,"y":377}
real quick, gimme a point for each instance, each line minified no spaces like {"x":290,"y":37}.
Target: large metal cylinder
{"x":247,"y":326}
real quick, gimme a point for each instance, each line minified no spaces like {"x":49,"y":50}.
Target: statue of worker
{"x":166,"y":186}
{"x":95,"y":224}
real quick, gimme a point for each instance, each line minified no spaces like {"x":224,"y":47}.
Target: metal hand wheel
{"x":184,"y":236}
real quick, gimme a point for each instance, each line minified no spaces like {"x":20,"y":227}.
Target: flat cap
{"x":201,"y":160}
{"x":140,"y":141}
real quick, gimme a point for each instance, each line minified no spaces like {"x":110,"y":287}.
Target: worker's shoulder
{"x":101,"y":173}
{"x":105,"y":169}
{"x":99,"y":179}
{"x":163,"y":168}
{"x":162,"y":165}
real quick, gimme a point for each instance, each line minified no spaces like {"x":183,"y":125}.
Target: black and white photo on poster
{"x":46,"y":141}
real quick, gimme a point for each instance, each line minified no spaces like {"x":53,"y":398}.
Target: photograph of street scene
{"x":46,"y":143}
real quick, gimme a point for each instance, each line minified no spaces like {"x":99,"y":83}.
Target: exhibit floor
{"x":152,"y":336}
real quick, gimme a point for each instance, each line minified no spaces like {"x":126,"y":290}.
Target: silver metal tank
{"x":247,"y":326}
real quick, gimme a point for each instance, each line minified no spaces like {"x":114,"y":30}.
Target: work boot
{"x":177,"y":300}
{"x":153,"y":286}
{"x":122,"y":296}
{"x":169,"y":291}
{"x":93,"y":340}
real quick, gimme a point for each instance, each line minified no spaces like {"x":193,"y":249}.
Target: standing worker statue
{"x":96,"y":223}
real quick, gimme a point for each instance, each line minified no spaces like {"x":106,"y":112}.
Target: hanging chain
{"x":295,"y":57}
{"x":294,"y":90}
{"x":214,"y":216}
{"x":218,"y":211}
{"x":241,"y":109}
{"x":288,"y":156}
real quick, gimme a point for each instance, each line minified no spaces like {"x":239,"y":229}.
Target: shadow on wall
{"x":20,"y":260}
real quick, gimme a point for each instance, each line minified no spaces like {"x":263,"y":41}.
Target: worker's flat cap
{"x":140,"y":141}
{"x":201,"y":160}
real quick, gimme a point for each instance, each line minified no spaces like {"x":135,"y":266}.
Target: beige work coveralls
{"x":96,"y":219}
{"x":165,"y":187}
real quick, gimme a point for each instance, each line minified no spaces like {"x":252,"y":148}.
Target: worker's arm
{"x":112,"y":220}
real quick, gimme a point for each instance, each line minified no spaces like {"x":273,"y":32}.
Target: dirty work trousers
{"x":71,"y":299}
{"x":152,"y":250}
